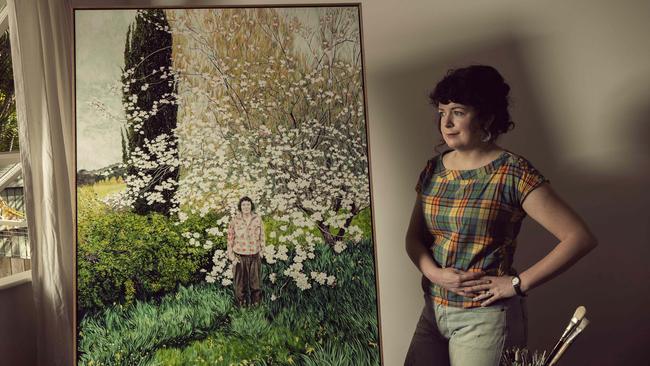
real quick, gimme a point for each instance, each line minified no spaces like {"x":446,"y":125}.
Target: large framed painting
{"x":224,"y":210}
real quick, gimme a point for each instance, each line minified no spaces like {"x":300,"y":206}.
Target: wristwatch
{"x":516,"y":283}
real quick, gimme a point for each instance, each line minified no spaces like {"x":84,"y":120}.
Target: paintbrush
{"x":583,"y":324}
{"x":577,"y":317}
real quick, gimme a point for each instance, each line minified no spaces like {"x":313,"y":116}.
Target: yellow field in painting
{"x":107,"y":187}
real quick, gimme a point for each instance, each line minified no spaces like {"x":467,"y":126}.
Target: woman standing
{"x":470,"y":204}
{"x":245,"y":242}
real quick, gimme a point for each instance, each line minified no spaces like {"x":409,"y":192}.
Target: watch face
{"x":515,"y":281}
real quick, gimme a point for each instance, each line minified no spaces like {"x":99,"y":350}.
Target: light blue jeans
{"x":447,"y":335}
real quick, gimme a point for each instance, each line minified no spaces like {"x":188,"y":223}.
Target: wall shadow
{"x":610,"y":281}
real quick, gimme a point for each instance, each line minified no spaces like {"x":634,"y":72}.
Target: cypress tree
{"x":148,"y":52}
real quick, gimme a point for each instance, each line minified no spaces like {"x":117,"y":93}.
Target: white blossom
{"x":339,"y":247}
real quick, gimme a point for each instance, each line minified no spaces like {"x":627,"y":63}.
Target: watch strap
{"x":517,"y":286}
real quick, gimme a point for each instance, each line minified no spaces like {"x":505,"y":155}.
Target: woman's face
{"x":460,"y":128}
{"x":246,"y":207}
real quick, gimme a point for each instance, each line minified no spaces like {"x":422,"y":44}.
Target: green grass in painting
{"x":320,"y":326}
{"x":129,"y":335}
{"x":199,"y":326}
{"x":341,"y":354}
{"x":276,"y":345}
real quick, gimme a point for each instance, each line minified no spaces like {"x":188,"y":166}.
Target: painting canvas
{"x":223,"y":190}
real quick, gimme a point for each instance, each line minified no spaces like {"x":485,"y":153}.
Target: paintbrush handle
{"x":559,"y":343}
{"x":560,"y":352}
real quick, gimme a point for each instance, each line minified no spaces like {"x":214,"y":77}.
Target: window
{"x":14,"y":242}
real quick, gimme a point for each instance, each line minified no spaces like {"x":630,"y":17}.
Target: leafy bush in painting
{"x":123,"y":256}
{"x":326,"y":325}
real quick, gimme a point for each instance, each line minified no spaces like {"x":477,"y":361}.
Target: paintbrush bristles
{"x":583,"y":324}
{"x":580,"y":313}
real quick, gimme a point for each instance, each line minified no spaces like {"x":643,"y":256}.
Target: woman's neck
{"x":465,"y":159}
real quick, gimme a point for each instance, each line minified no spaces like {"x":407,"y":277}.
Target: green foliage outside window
{"x":8,"y":121}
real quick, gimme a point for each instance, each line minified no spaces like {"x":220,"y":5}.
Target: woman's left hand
{"x":499,"y":287}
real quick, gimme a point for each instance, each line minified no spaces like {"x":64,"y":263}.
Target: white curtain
{"x":41,"y":40}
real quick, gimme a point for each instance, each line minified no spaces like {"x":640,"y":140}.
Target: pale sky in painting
{"x":99,"y":47}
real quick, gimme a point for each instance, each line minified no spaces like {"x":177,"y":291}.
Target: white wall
{"x":579,"y":73}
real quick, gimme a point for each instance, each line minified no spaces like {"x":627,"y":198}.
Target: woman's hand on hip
{"x":498,"y":287}
{"x":458,"y":281}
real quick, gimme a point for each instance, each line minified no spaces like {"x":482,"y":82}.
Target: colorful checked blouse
{"x":246,"y":237}
{"x":475,"y":216}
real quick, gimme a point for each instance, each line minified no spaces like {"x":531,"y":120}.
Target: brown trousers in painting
{"x":247,"y":279}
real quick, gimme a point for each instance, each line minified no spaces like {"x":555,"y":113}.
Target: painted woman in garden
{"x":246,"y":238}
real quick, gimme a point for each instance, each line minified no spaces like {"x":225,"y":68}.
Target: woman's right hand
{"x":457,"y":281}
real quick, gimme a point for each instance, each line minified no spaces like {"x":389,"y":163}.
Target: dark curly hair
{"x":480,"y":87}
{"x":246,"y":198}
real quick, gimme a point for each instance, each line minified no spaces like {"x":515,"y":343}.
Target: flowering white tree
{"x":275,"y":111}
{"x":268,"y":107}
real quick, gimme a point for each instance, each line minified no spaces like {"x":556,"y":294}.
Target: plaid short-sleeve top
{"x":475,"y":215}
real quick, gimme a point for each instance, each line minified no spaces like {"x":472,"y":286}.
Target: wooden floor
{"x":9,"y":265}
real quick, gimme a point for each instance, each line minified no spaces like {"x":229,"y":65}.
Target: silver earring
{"x":487,"y":137}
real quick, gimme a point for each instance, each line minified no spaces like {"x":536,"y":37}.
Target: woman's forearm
{"x":421,"y":256}
{"x":416,"y":247}
{"x":564,"y":255}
